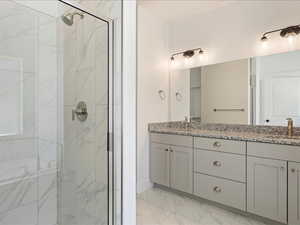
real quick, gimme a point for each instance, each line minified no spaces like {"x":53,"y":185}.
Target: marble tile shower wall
{"x":84,"y":183}
{"x":113,"y":9}
{"x":28,"y":168}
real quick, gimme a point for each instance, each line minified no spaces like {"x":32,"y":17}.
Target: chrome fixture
{"x":217,"y":189}
{"x":68,"y":18}
{"x":162,"y":94}
{"x":229,"y":110}
{"x":284,"y":32}
{"x":217,"y":144}
{"x":188,"y":53}
{"x":178,"y":96}
{"x":187,"y":119}
{"x":217,"y":163}
{"x":290,"y":127}
{"x":80,"y":112}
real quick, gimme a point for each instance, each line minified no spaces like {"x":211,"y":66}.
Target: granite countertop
{"x":264,"y":134}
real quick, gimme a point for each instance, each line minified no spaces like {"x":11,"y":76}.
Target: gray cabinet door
{"x":181,"y":168}
{"x":267,"y":188}
{"x":159,"y":164}
{"x":294,"y":193}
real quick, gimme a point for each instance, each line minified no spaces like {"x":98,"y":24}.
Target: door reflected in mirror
{"x":262,"y":90}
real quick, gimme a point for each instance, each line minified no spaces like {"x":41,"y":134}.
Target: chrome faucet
{"x":290,"y":127}
{"x":186,"y":119}
{"x":187,"y":122}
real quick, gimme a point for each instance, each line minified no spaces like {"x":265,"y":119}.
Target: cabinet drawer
{"x":220,"y":190}
{"x":274,"y":151}
{"x":237,"y":147}
{"x":226,"y":165}
{"x":169,"y":139}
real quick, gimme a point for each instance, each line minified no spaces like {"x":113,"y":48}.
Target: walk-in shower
{"x":56,"y":89}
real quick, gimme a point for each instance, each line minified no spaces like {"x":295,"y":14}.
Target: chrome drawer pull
{"x":217,"y":144}
{"x":217,"y":189}
{"x":217,"y":163}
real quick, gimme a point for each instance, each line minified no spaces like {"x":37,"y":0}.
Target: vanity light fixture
{"x":188,"y":53}
{"x":284,"y":32}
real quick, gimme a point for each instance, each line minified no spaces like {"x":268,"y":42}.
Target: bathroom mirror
{"x":262,"y":90}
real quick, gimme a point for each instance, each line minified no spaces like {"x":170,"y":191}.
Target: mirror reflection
{"x":260,"y":91}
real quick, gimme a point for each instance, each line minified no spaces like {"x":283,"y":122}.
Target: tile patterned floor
{"x":160,"y":207}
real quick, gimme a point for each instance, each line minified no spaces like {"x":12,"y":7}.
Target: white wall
{"x":234,"y":31}
{"x":179,"y":95}
{"x":153,"y":57}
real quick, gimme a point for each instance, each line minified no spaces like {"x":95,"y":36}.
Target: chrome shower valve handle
{"x":80,"y":112}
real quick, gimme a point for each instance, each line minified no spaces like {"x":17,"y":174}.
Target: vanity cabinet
{"x":159,"y":166}
{"x":172,"y":165}
{"x":259,"y":178}
{"x":294,"y":193}
{"x":220,"y":190}
{"x":267,"y":188}
{"x":181,"y":168}
{"x":220,"y":171}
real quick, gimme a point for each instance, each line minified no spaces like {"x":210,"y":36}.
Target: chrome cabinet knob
{"x":217,"y":163}
{"x":217,"y":189}
{"x":217,"y":144}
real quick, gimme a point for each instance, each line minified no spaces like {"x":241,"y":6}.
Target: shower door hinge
{"x":109,"y":142}
{"x":252,"y":81}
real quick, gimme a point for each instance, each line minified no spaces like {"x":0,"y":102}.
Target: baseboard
{"x":143,"y":185}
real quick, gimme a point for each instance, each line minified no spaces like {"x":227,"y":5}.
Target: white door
{"x":294,"y":193}
{"x":267,"y":188}
{"x":225,"y":86}
{"x":181,"y":168}
{"x":278,"y":82}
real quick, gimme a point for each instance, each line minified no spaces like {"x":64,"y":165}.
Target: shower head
{"x":69,"y":18}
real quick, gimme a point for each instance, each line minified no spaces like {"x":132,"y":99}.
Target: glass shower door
{"x":84,"y":191}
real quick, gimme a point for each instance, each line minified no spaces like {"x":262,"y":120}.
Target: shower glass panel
{"x":29,"y":139}
{"x":84,"y":189}
{"x":55,"y":115}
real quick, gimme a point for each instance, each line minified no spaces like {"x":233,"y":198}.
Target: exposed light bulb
{"x":174,"y":63}
{"x":265,"y":44}
{"x":201,"y":56}
{"x":188,"y":61}
{"x":291,"y":39}
{"x":201,"y":53}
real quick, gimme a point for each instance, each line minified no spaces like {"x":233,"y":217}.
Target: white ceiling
{"x":172,"y":10}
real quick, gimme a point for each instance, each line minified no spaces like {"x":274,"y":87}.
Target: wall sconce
{"x":188,"y":53}
{"x":288,"y":32}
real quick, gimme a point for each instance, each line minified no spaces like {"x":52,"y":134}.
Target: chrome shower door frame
{"x":113,"y":214}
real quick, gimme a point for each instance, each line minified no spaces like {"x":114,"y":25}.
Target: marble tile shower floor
{"x":160,"y":207}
